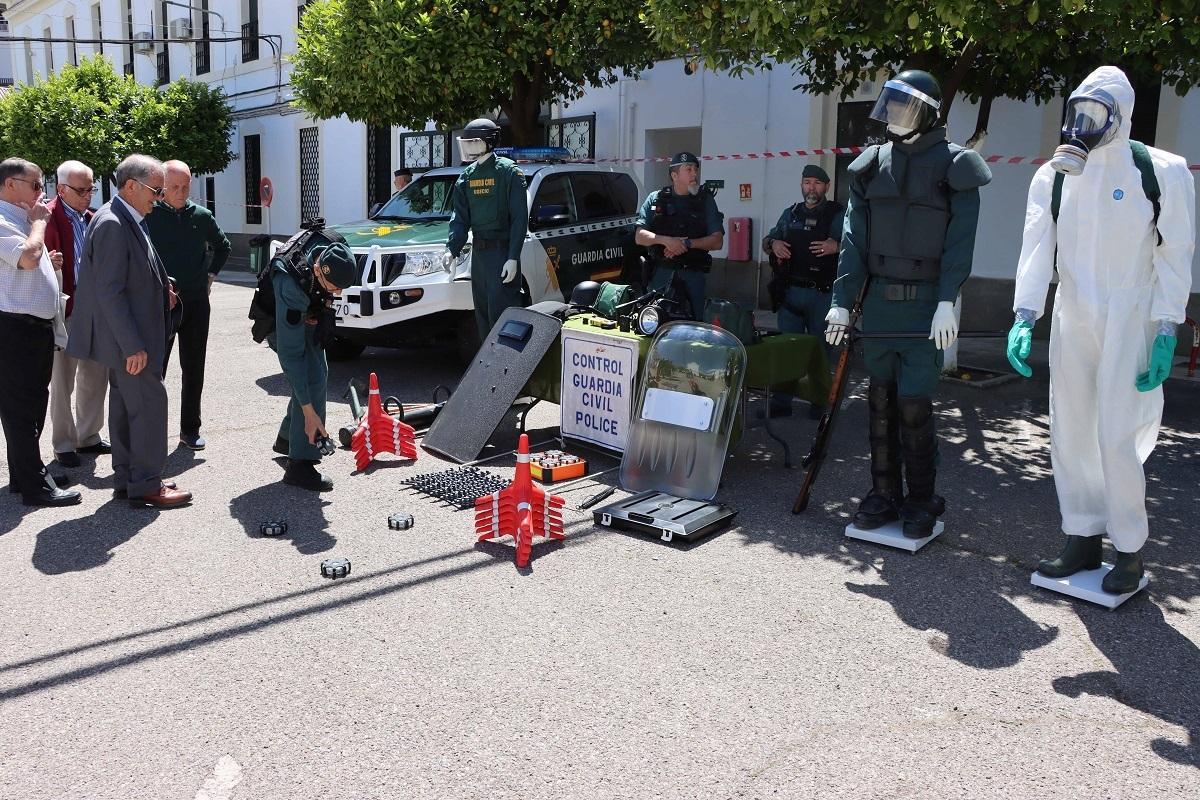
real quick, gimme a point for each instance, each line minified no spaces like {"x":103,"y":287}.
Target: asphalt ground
{"x":180,"y":654}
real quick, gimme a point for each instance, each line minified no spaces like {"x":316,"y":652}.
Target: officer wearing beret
{"x":680,"y":225}
{"x":804,"y":247}
{"x":303,"y":322}
{"x":489,"y":200}
{"x":910,"y":237}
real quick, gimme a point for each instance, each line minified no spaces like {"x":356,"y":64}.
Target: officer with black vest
{"x":910,"y":231}
{"x":680,"y":225}
{"x":804,"y":247}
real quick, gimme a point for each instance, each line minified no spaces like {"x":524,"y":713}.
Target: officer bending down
{"x":489,"y":199}
{"x":804,"y":244}
{"x":680,"y":224}
{"x":303,"y":325}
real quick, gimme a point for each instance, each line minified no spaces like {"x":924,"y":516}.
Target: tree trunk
{"x":962,"y":66}
{"x":522,"y":111}
{"x":981,"y":123}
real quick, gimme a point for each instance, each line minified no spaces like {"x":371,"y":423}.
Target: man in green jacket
{"x":193,"y":248}
{"x":303,"y":324}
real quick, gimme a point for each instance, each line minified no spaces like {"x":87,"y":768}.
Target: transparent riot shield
{"x":684,"y":411}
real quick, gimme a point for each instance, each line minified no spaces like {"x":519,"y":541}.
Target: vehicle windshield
{"x":426,"y":198}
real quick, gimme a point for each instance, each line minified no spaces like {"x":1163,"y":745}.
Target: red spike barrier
{"x":522,"y":510}
{"x":379,"y":432}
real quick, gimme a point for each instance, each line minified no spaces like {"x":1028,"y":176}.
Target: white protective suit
{"x":1115,"y":285}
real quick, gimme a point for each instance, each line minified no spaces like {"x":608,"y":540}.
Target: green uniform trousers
{"x":490,"y":294}
{"x":913,"y":364}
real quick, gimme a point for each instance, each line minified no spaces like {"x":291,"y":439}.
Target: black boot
{"x":1125,"y":575}
{"x":304,"y":474}
{"x":882,"y":503}
{"x":1080,"y":553}
{"x":918,"y":443}
{"x":280,"y":446}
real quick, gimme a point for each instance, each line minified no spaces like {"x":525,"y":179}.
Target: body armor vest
{"x":909,"y":204}
{"x":808,"y":225}
{"x":682,"y":216}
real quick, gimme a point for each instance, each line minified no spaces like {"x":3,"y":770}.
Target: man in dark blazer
{"x":122,"y":318}
{"x":74,"y":425}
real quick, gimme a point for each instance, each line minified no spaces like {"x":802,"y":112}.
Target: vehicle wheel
{"x":467,"y":338}
{"x":343,"y":350}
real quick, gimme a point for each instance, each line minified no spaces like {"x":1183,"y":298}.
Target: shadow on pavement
{"x":83,"y":543}
{"x":304,"y":511}
{"x":1155,"y":668}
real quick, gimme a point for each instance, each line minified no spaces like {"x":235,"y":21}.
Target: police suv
{"x":581,"y":225}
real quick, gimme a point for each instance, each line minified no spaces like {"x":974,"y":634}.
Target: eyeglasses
{"x":37,"y":185}
{"x":158,"y":190}
{"x":88,"y":192}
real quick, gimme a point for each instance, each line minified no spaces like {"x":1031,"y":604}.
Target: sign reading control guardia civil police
{"x":597,"y":387}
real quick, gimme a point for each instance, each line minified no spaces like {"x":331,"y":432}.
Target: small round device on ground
{"x":325,"y":445}
{"x":400,"y":522}
{"x":278,"y":528}
{"x":335,"y":568}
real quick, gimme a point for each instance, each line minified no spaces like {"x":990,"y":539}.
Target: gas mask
{"x":472,"y":149}
{"x":1092,"y":120}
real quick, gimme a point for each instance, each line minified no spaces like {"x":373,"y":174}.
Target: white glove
{"x":945,"y":327}
{"x":836,"y":322}
{"x":447,"y":259}
{"x":509,"y":271}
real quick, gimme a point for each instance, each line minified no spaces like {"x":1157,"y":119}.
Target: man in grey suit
{"x":122,"y":319}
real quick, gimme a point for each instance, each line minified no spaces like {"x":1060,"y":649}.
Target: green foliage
{"x":403,"y":62}
{"x":1001,"y":48}
{"x":91,"y":114}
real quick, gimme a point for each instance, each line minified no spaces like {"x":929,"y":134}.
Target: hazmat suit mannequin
{"x":489,"y":200}
{"x":909,"y":230}
{"x":1120,"y":294}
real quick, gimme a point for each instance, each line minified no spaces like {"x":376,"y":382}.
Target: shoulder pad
{"x":864,"y":161}
{"x":968,"y":170}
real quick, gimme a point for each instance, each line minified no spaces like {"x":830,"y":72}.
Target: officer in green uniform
{"x":303,"y":325}
{"x":803,"y":247}
{"x":910,"y":231}
{"x":489,"y":200}
{"x":680,"y":225}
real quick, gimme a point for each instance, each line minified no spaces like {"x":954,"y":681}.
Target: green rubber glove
{"x":1161,"y":353}
{"x":1020,"y":339}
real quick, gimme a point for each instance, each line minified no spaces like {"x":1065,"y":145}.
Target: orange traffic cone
{"x":379,"y":432}
{"x":522,"y":510}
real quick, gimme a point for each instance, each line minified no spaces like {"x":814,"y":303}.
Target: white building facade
{"x":337,"y":169}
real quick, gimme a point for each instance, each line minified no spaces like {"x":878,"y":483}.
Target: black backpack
{"x":293,"y":258}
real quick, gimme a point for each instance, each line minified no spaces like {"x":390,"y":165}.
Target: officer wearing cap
{"x":303,"y":321}
{"x":803,"y":247}
{"x":401,"y":178}
{"x":489,"y":200}
{"x":680,"y":225}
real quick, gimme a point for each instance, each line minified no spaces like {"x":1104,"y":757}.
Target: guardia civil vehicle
{"x":581,"y":225}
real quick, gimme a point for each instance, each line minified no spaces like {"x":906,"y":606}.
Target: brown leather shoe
{"x":121,"y":493}
{"x":165,"y":497}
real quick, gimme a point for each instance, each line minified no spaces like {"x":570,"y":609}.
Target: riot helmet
{"x":584,"y":294}
{"x":908,"y":104}
{"x":479,"y":137}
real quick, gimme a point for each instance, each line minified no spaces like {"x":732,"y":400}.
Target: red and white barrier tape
{"x":1036,"y":161}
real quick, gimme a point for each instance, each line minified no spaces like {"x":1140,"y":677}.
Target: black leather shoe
{"x":1080,"y":553}
{"x":60,"y":482}
{"x":192,"y":441}
{"x":280,"y":446}
{"x":100,"y":448}
{"x":1125,"y":575}
{"x":875,"y":511}
{"x":56,"y":497}
{"x":70,"y":459}
{"x":304,"y":475}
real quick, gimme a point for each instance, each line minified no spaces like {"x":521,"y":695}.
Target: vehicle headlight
{"x":648,"y":321}
{"x":422,"y":262}
{"x":450,"y":263}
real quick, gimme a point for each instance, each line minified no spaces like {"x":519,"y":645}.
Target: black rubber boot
{"x":1125,"y":575}
{"x":304,"y":474}
{"x":1080,"y":553}
{"x":280,"y":446}
{"x":882,"y":503}
{"x":918,"y":443}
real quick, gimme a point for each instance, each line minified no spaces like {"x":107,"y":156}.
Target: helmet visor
{"x":902,"y":106}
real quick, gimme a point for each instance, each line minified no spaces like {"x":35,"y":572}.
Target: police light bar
{"x":535,"y":153}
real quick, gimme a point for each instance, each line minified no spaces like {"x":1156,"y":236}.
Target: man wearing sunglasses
{"x":74,"y":430}
{"x":122,"y":318}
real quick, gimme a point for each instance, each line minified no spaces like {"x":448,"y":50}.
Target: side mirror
{"x":550,"y":216}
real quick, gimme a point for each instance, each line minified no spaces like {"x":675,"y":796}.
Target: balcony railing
{"x":250,"y":41}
